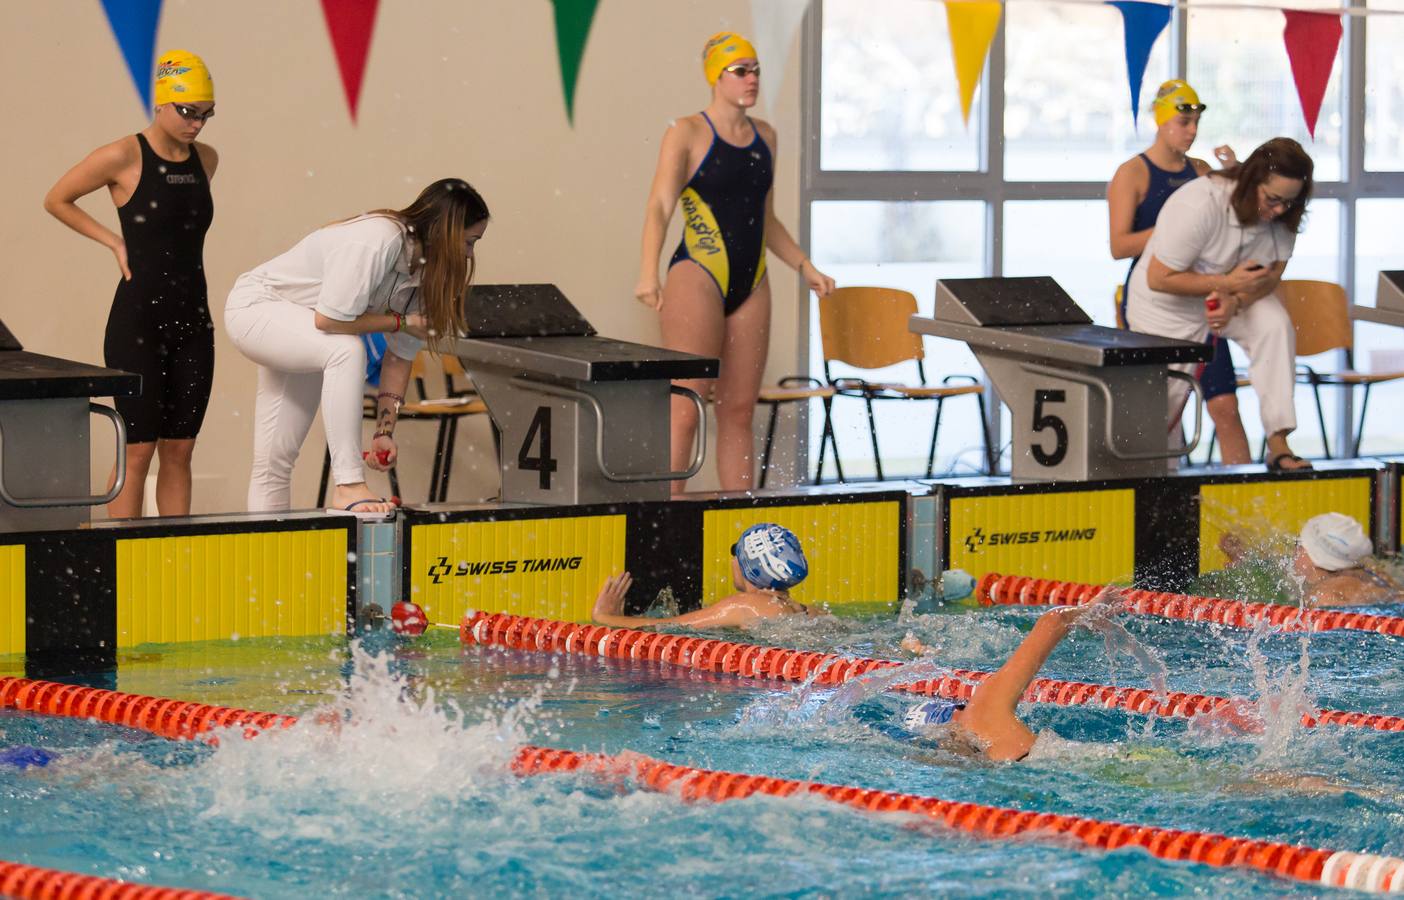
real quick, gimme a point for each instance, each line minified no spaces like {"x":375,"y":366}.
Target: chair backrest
{"x":866,"y":327}
{"x":450,"y":366}
{"x":1320,"y":315}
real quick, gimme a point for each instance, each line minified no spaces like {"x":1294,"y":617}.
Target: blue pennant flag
{"x":1144,"y":22}
{"x":134,"y":25}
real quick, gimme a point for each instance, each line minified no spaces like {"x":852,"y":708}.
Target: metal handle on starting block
{"x":1069,"y":375}
{"x":94,"y":500}
{"x":593,"y":404}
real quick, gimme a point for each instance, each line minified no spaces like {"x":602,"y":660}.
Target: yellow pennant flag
{"x":973,"y":24}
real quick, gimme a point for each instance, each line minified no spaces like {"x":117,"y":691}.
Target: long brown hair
{"x":1279,"y":156}
{"x":437,"y":220}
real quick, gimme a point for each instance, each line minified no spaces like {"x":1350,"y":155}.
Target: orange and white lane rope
{"x":1362,"y":871}
{"x":23,"y":882}
{"x":1017,"y":590}
{"x":754,"y":661}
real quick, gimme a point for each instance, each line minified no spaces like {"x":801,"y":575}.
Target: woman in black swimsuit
{"x":720,"y":164}
{"x":160,"y":324}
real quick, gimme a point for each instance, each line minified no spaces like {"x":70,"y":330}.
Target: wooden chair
{"x":458,"y":401}
{"x":800,"y":389}
{"x":1320,"y":314}
{"x":866,"y":328}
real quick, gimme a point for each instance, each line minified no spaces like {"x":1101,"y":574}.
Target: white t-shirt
{"x":1198,"y":231}
{"x":343,"y":271}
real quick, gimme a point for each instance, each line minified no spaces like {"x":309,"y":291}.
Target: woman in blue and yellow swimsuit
{"x":720,"y":165}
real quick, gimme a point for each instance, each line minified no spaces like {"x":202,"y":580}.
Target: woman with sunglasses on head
{"x":300,"y":316}
{"x":159,"y":326}
{"x":1212,"y":264}
{"x":720,"y":164}
{"x":1135,"y":196}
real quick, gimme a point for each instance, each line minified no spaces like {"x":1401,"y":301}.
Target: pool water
{"x":412,"y":796}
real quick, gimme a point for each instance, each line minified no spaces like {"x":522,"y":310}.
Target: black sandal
{"x":1275,"y":464}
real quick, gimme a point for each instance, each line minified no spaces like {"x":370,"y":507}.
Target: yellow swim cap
{"x":723,"y":49}
{"x":181,"y":77}
{"x":1173,"y":98}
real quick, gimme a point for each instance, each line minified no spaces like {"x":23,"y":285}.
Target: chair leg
{"x":935,"y":430}
{"x":440,"y":440}
{"x":769,"y":442}
{"x":1321,"y":420}
{"x":829,"y":435}
{"x":1213,"y":439}
{"x":394,"y":481}
{"x":872,"y":430}
{"x":326,"y":477}
{"x":1360,"y":428}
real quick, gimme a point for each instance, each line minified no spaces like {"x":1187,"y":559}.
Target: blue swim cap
{"x":770,"y":557}
{"x":24,"y":756}
{"x":930,"y":712}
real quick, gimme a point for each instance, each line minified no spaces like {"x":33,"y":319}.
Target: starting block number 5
{"x":539,"y":432}
{"x":1046,"y":421}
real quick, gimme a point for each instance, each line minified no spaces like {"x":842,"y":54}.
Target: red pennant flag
{"x":350,"y":23}
{"x":1312,"y":41}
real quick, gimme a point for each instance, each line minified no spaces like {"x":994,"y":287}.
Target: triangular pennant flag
{"x":774,"y":24}
{"x":1312,"y":40}
{"x":134,"y":26}
{"x":1143,"y":24}
{"x":973,"y":24}
{"x":573,"y":18}
{"x":350,"y":24}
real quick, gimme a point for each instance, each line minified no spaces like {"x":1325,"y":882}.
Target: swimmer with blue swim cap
{"x":989,"y":718}
{"x":767,"y":561}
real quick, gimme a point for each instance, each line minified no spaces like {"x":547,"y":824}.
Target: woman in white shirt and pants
{"x":1223,"y":241}
{"x":300,"y":316}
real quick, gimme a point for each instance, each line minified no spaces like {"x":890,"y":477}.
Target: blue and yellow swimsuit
{"x":724,"y":216}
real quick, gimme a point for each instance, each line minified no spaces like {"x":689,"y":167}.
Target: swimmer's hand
{"x":1225,"y":310}
{"x":119,"y":250}
{"x":1225,"y":155}
{"x":383,"y":453}
{"x":817,"y":281}
{"x":1109,"y":602}
{"x":1232,"y":546}
{"x":913,"y":645}
{"x":649,"y":292}
{"x":610,"y":601}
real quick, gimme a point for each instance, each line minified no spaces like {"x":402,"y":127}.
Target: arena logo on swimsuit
{"x":977,"y":537}
{"x":442,"y":568}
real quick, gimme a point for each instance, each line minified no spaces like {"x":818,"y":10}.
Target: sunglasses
{"x":743,"y":71}
{"x":191,"y":114}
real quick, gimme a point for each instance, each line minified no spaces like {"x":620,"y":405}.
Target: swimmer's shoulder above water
{"x":767,"y":561}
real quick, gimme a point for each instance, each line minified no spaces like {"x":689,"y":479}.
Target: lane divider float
{"x":24,"y":882}
{"x":1335,"y":868}
{"x":1017,"y":590}
{"x":1361,"y":871}
{"x":755,"y":661}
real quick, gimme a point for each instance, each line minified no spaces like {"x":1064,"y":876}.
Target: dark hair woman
{"x":1213,"y":263}
{"x":404,"y":273}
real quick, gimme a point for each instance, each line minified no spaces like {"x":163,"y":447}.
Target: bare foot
{"x":363,"y":498}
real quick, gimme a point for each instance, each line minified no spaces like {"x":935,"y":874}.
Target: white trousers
{"x":1264,"y":331}
{"x":299,"y":367}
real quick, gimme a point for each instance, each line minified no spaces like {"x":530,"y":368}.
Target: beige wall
{"x":465,"y":88}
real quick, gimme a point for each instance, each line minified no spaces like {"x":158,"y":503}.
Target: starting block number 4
{"x":538,"y":433}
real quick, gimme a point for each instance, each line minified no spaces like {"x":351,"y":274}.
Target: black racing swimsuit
{"x":160,"y":324}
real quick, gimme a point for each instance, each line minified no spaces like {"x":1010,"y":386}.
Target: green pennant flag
{"x":573,"y":19}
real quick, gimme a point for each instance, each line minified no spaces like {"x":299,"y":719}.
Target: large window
{"x":899,"y":192}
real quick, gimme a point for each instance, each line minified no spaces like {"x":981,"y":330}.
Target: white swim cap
{"x":1335,"y":541}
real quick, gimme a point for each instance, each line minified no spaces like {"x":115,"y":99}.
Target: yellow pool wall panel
{"x":223,"y":586}
{"x":1085,"y":536}
{"x":12,"y":610}
{"x":1271,"y":513}
{"x":550,"y":567}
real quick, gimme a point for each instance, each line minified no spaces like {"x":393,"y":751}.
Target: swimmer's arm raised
{"x":609,"y":610}
{"x":1002,"y":691}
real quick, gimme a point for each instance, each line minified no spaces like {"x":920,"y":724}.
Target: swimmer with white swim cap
{"x":766,"y":562}
{"x":1333,"y":559}
{"x":989,"y":716}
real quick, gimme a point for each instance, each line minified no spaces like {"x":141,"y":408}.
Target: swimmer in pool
{"x":1333,"y":559}
{"x":989,"y":718}
{"x":766,"y":562}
